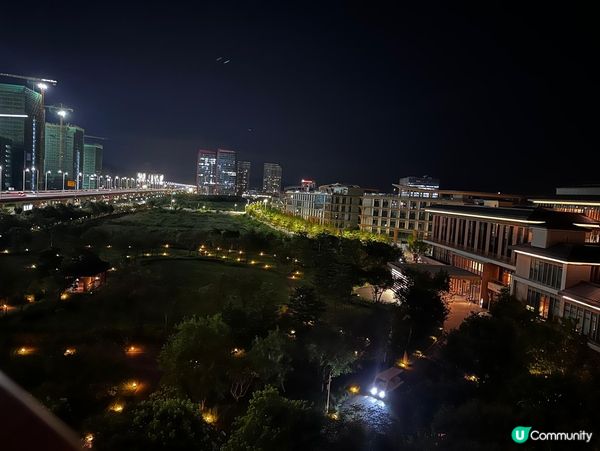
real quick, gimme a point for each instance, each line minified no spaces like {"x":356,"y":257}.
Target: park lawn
{"x":140,"y":305}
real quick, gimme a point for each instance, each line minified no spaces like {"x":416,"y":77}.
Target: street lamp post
{"x":46,"y":180}
{"x":78,"y":175}
{"x":64,"y":174}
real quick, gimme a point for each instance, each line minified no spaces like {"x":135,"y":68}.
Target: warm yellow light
{"x":267,"y":266}
{"x":70,"y":351}
{"x":354,"y":389}
{"x":262,"y":253}
{"x":64,"y":296}
{"x":116,"y":407}
{"x":471,"y":378}
{"x":209,"y":416}
{"x":25,"y":350}
{"x":252,"y":262}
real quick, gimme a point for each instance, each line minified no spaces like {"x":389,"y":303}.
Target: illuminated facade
{"x":92,"y":164}
{"x":540,"y":255}
{"x":242,"y":180}
{"x":206,"y":172}
{"x":337,"y":205}
{"x":23,"y":125}
{"x":226,"y":172}
{"x":6,"y":163}
{"x":403,"y":213}
{"x":272,"y":178}
{"x":558,"y":275}
{"x":63,"y":152}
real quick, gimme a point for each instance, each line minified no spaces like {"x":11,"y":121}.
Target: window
{"x":375,"y":212}
{"x":545,"y":273}
{"x":544,"y":304}
{"x":392,"y":223}
{"x":376,"y":203}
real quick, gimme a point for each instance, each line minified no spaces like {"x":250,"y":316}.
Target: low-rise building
{"x":404,"y":212}
{"x":337,"y":205}
{"x":544,"y":257}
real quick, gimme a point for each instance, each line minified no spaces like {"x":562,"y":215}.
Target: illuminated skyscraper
{"x":64,"y":152}
{"x":92,"y":164}
{"x":206,"y":172}
{"x":226,"y":172}
{"x":242,"y":177}
{"x":272,"y":178}
{"x":22,"y":123}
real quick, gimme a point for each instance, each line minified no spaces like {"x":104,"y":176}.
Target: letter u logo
{"x":520,"y":434}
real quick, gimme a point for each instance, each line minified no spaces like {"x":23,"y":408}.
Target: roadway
{"x":32,"y":196}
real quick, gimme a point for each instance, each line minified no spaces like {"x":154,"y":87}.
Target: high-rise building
{"x":6,"y":163}
{"x":63,"y":152}
{"x":272,"y":178}
{"x":22,"y":123}
{"x":206,"y":172}
{"x":226,"y":172}
{"x":242,"y":177}
{"x":92,"y":164}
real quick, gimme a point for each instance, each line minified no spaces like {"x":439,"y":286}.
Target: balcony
{"x":488,"y":257}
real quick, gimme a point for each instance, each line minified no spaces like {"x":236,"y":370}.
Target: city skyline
{"x":442,"y":96}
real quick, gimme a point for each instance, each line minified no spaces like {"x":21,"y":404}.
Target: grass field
{"x":143,"y":300}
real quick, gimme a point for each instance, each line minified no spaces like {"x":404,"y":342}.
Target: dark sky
{"x":486,"y":97}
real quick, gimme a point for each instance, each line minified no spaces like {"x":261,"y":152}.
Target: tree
{"x":274,"y":423}
{"x":419,"y":295}
{"x":417,"y":246}
{"x":197,"y":356}
{"x":269,"y":358}
{"x":164,"y":421}
{"x":380,"y":278}
{"x":332,"y":355}
{"x":305,"y":306}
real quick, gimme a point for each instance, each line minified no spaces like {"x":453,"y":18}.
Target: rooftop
{"x":564,"y":252}
{"x":584,"y":292}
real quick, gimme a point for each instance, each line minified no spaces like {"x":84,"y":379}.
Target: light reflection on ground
{"x":373,"y":413}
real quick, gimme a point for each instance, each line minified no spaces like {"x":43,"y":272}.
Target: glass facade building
{"x":24,"y":130}
{"x":242,"y":177}
{"x":272,"y":178}
{"x":226,"y":172}
{"x":92,"y":164}
{"x":63,"y":152}
{"x":206,"y":172}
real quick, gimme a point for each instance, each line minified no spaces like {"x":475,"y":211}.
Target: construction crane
{"x":31,"y":79}
{"x":95,"y":137}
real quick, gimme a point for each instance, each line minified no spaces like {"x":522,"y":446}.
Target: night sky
{"x":485,"y":97}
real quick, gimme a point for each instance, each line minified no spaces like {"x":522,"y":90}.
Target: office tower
{"x":206,"y":172}
{"x":21,"y":122}
{"x":92,"y":164}
{"x":6,"y":163}
{"x":63,"y":152}
{"x":242,"y":177}
{"x":272,"y":178}
{"x":226,"y":172}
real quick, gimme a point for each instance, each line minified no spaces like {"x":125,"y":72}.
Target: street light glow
{"x":62,"y":113}
{"x":42,"y":86}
